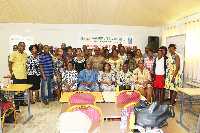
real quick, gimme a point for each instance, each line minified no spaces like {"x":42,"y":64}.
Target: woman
{"x":106,"y":54}
{"x":122,"y":54}
{"x":142,"y":78}
{"x":115,"y":62}
{"x":33,"y":72}
{"x":106,"y":78}
{"x":138,"y":55}
{"x":97,"y":60}
{"x":124,"y":78}
{"x":69,"y":78}
{"x":131,"y":61}
{"x":79,"y":61}
{"x":88,"y":79}
{"x":159,"y":72}
{"x":173,"y":80}
{"x":69,"y":56}
{"x":59,"y":67}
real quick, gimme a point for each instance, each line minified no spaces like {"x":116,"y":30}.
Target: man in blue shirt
{"x":146,"y":51}
{"x":88,"y":79}
{"x":46,"y":68}
{"x":63,"y":46}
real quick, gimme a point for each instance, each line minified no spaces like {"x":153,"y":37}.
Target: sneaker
{"x":46,"y":103}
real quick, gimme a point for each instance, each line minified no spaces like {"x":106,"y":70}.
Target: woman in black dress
{"x":79,"y":61}
{"x":33,"y":72}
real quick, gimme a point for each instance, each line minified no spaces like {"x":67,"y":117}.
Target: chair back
{"x":92,"y":111}
{"x":128,"y":96}
{"x":130,"y":106}
{"x":82,"y":97}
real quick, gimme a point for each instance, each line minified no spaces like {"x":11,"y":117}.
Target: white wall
{"x":55,"y":34}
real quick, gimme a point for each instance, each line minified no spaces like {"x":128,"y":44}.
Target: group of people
{"x":68,"y":69}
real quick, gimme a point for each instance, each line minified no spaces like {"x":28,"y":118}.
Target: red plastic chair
{"x":127,"y":96}
{"x":92,"y":111}
{"x":82,"y":97}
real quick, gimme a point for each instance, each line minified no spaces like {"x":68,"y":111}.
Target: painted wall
{"x":55,"y":34}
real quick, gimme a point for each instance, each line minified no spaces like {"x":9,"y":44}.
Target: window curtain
{"x":192,"y":49}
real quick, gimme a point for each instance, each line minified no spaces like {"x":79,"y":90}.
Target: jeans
{"x":44,"y":86}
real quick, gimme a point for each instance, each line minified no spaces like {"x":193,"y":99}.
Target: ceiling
{"x":154,"y":13}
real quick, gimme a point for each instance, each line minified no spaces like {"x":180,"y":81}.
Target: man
{"x":84,"y":47}
{"x":88,"y":79}
{"x":15,"y":48}
{"x":46,"y":68}
{"x":74,"y":52}
{"x":134,"y":50}
{"x":51,"y":49}
{"x":63,"y":46}
{"x":146,"y":52}
{"x":17,"y":68}
{"x":86,"y":54}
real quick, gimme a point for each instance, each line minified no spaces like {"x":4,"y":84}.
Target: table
{"x":191,"y":92}
{"x":65,"y":96}
{"x":110,"y":110}
{"x":19,"y":87}
{"x":114,"y":127}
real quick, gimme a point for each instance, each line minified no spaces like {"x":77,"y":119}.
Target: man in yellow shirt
{"x":17,"y":68}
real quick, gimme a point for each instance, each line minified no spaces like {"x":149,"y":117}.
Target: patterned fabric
{"x":32,"y":65}
{"x":128,"y":97}
{"x":79,"y":64}
{"x":82,"y":98}
{"x":132,"y":64}
{"x":171,"y":68}
{"x":19,"y":64}
{"x":6,"y":105}
{"x":137,"y":59}
{"x":148,"y":64}
{"x":116,"y":65}
{"x":124,"y":78}
{"x":92,"y":113}
{"x":97,"y":62}
{"x":69,"y":77}
{"x":106,"y":77}
{"x":124,"y":57}
{"x":47,"y":64}
{"x":141,"y":77}
{"x":59,"y":67}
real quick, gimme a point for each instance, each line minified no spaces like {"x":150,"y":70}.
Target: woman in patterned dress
{"x":79,"y":61}
{"x":106,"y":78}
{"x":33,"y":72}
{"x":116,"y":62}
{"x":69,"y":78}
{"x":173,"y":80}
{"x":142,"y":78}
{"x":59,"y":67}
{"x":138,"y":56}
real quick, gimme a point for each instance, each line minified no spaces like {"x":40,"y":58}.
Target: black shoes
{"x":23,"y":104}
{"x":46,"y":103}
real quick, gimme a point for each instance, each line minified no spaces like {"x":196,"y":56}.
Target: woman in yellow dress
{"x":173,"y":80}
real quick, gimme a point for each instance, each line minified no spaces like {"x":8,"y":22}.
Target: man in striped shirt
{"x":46,"y":68}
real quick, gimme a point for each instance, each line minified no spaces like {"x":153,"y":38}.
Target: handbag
{"x":141,"y":105}
{"x":154,"y":115}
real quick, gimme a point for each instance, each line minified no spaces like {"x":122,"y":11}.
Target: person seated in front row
{"x":88,"y":79}
{"x":124,"y":77}
{"x":106,"y":78}
{"x":69,"y":78}
{"x":142,"y":78}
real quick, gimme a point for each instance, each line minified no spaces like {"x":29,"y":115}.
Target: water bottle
{"x":132,"y":85}
{"x":123,"y":122}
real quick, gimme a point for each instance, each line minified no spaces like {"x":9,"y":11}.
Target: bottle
{"x":132,"y":85}
{"x":123,"y":122}
{"x":132,"y":121}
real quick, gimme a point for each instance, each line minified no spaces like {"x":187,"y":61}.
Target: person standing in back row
{"x":17,"y":68}
{"x":46,"y":68}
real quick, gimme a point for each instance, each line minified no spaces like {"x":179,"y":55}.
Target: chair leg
{"x":15,"y":116}
{"x":3,"y":120}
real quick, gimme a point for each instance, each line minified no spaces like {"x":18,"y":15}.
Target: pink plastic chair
{"x":127,"y":96}
{"x":82,"y":98}
{"x":130,"y":107}
{"x":92,"y":111}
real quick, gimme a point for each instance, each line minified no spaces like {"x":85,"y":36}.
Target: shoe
{"x":168,"y":99}
{"x":16,"y":107}
{"x":23,"y":104}
{"x":38,"y":100}
{"x":32,"y":102}
{"x":46,"y":103}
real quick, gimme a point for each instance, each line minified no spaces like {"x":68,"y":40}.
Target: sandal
{"x":38,"y":100}
{"x":32,"y":102}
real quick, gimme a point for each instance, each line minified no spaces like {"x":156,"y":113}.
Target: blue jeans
{"x":44,"y":86}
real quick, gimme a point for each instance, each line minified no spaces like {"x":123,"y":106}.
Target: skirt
{"x":35,"y":81}
{"x":158,"y":83}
